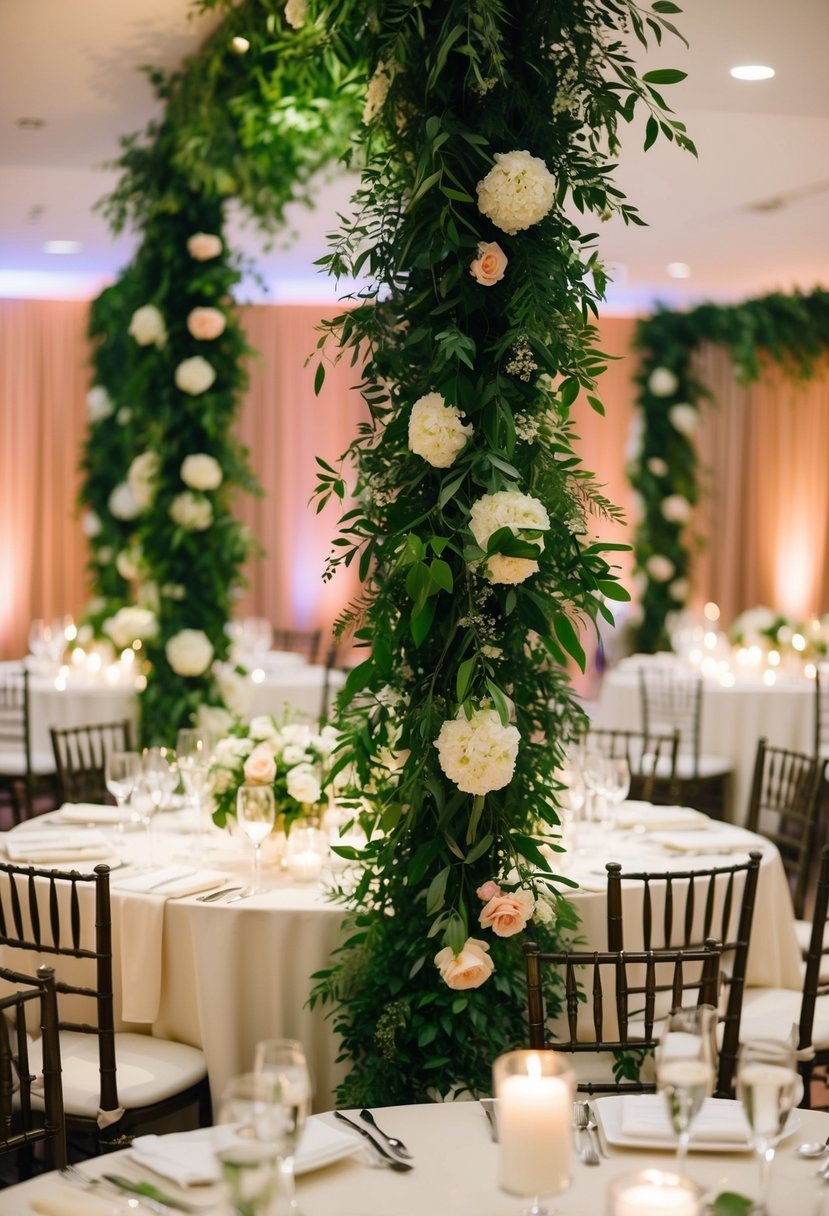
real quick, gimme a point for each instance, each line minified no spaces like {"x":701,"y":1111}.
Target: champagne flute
{"x":250,"y":1104}
{"x":284,"y":1060}
{"x":768,"y":1087}
{"x":685,"y":1069}
{"x":256,"y":815}
{"x":120,"y":774}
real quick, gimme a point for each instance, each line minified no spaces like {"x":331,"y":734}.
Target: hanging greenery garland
{"x":662,"y":458}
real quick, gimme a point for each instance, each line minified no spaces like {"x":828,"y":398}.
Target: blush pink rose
{"x":204,"y":245}
{"x":260,"y":766}
{"x":507,"y":914}
{"x":488,"y":890}
{"x":205,"y":324}
{"x":469,"y":969}
{"x":489,"y":266}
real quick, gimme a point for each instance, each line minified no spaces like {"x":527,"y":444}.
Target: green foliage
{"x":791,"y":330}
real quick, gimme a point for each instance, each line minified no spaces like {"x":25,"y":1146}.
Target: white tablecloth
{"x":733,"y":720}
{"x":456,"y":1173}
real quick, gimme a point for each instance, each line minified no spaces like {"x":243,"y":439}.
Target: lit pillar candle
{"x":306,"y":867}
{"x":534,"y":1129}
{"x":653,"y":1193}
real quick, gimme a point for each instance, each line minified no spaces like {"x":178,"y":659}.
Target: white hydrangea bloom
{"x":121,"y":502}
{"x":684,"y":418}
{"x":201,"y":472}
{"x":141,"y":478}
{"x":660,"y":568}
{"x":195,"y":375}
{"x":478,"y":753}
{"x":189,"y":652}
{"x":436,"y":432}
{"x":191,"y":511}
{"x":676,"y":509}
{"x":520,"y":513}
{"x":98,"y":403}
{"x":517,"y":192}
{"x":662,"y":382}
{"x":147,"y":326}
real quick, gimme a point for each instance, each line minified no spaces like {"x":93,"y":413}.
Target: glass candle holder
{"x":535,"y":1112}
{"x":653,"y":1193}
{"x":306,"y":853}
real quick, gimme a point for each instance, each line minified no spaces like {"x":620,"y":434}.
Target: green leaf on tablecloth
{"x":728,"y":1203}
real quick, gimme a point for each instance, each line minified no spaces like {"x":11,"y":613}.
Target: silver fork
{"x":581,"y":1122}
{"x":245,"y":893}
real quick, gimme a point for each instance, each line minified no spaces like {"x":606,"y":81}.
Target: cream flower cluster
{"x":189,"y":652}
{"x":517,"y":192}
{"x":141,"y":479}
{"x":201,"y":472}
{"x":295,"y":13}
{"x":206,"y":324}
{"x":204,"y":245}
{"x":660,"y":568}
{"x":508,"y":509}
{"x":191,"y":511}
{"x":147,"y":326}
{"x":121,"y":502}
{"x":662,"y":382}
{"x":98,"y":403}
{"x":478,"y":753}
{"x":130,"y":624}
{"x":676,"y":509}
{"x":195,"y":375}
{"x":684,"y":418}
{"x":436,"y":432}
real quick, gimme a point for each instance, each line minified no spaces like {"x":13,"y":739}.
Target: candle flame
{"x":534,"y":1068}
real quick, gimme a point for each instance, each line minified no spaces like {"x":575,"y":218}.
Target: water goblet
{"x":252,"y":1119}
{"x":535,"y":1105}
{"x":284,"y":1060}
{"x":685,"y":1069}
{"x":120,"y":774}
{"x":767,"y":1085}
{"x":256,"y":816}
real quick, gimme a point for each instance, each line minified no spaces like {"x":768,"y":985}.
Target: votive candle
{"x":653,"y":1193}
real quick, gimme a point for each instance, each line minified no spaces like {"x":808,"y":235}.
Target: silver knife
{"x":212,"y":896}
{"x":151,"y":1197}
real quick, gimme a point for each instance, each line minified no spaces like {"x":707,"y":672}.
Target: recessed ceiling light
{"x":62,"y":246}
{"x":752,"y":71}
{"x":679,"y":270}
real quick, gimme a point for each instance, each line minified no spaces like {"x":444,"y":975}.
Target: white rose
{"x":124,"y":415}
{"x":195,"y":375}
{"x":260,"y":766}
{"x":296,"y":732}
{"x":127,"y":563}
{"x":517,"y":192}
{"x":469,"y":969}
{"x":147,"y":326}
{"x":436,"y":432}
{"x":658,"y":466}
{"x":660,"y":568}
{"x":684,"y":418}
{"x":678,"y":589}
{"x":191,"y":511}
{"x":204,"y":245}
{"x":228,"y":752}
{"x":263,"y":727}
{"x":206,"y":324}
{"x":189,"y":652}
{"x":295,"y":13}
{"x":121,"y":502}
{"x":130,"y":625}
{"x":676,"y":509}
{"x":662,"y":382}
{"x":478,"y":753}
{"x":141,"y":478}
{"x":91,"y":524}
{"x":214,"y":719}
{"x":201,"y":472}
{"x":304,"y":784}
{"x":98,"y":403}
{"x":294,"y":753}
{"x":518,"y":512}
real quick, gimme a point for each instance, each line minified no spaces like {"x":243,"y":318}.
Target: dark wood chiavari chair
{"x":80,"y":758}
{"x":651,"y":759}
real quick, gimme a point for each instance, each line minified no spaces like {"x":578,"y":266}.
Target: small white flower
{"x":206,"y":324}
{"x":478,"y":754}
{"x":104,"y":555}
{"x":121,"y":502}
{"x":98,"y":403}
{"x":294,"y":753}
{"x":303,"y":783}
{"x":201,"y":472}
{"x":295,"y":13}
{"x":174,"y":591}
{"x":518,"y":512}
{"x":131,"y":624}
{"x":436,"y":432}
{"x":660,"y":568}
{"x":684,"y":418}
{"x":662,"y":382}
{"x":191,"y":511}
{"x":228,"y":752}
{"x":658,"y":466}
{"x":142,"y":479}
{"x":127,"y":563}
{"x":124,"y":415}
{"x":676,"y":509}
{"x":204,"y":245}
{"x":147,"y":326}
{"x":189,"y":652}
{"x":678,"y":589}
{"x":263,"y":727}
{"x":91,"y":524}
{"x":517,"y":192}
{"x":195,"y":375}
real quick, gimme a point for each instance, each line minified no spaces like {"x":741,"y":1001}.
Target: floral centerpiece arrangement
{"x":292,"y":757}
{"x":772,"y":630}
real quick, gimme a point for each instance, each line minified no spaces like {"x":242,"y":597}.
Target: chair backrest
{"x":649,"y":756}
{"x":14,"y":714}
{"x":672,"y":700}
{"x":813,"y":986}
{"x":696,"y":905}
{"x":68,"y":916}
{"x":302,"y":641}
{"x":611,"y":998}
{"x":23,"y":1124}
{"x":822,"y":711}
{"x":80,"y":758}
{"x":784,"y":806}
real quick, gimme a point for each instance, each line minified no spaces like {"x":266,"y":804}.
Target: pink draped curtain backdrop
{"x":763,"y":451}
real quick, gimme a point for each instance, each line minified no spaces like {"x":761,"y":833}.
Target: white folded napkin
{"x":644,"y":814}
{"x":168,"y":882}
{"x":702,"y":843}
{"x":47,"y":844}
{"x":92,"y":812}
{"x":645,"y":1117}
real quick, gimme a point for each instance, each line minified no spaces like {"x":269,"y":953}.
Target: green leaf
{"x":421,"y":622}
{"x":464,"y":677}
{"x":568,"y":637}
{"x":664,"y":76}
{"x":319,"y":379}
{"x":665,"y":6}
{"x":437,"y":891}
{"x":613,"y":590}
{"x":729,"y":1203}
{"x":651,"y":132}
{"x":478,"y":850}
{"x":499,"y":700}
{"x":450,"y":487}
{"x":441,"y":575}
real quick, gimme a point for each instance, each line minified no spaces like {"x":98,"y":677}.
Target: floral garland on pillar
{"x":473,"y":528}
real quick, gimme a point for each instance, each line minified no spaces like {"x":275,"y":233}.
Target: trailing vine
{"x":662,"y":460}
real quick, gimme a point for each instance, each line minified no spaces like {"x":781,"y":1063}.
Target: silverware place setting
{"x":390,"y":1159}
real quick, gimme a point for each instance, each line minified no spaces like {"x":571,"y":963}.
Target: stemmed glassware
{"x":618,"y":780}
{"x":685,"y":1069}
{"x":597,"y":779}
{"x":768,"y":1086}
{"x":284,"y":1061}
{"x":256,"y":816}
{"x":121,"y":773}
{"x":249,"y":1154}
{"x":571,"y":799}
{"x":158,"y":780}
{"x":194,"y":756}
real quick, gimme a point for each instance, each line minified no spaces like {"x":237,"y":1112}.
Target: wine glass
{"x":120,"y":774}
{"x":194,"y":756}
{"x":284,"y":1060}
{"x":535,"y":1108}
{"x":685,"y":1069}
{"x":158,"y":779}
{"x":571,"y":799}
{"x":251,"y":1106}
{"x":618,"y":783}
{"x":768,"y":1087}
{"x":597,"y":778}
{"x":256,"y":816}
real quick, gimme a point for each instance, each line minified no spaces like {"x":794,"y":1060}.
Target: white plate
{"x":608,"y":1111}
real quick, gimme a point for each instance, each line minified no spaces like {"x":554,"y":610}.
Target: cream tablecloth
{"x":455,"y":1174}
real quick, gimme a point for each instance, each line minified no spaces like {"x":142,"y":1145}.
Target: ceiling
{"x":749,"y":217}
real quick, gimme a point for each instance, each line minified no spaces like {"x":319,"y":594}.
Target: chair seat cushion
{"x":772,"y":1013}
{"x":149,"y":1070}
{"x":13,"y":763}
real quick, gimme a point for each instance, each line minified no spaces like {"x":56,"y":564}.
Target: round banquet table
{"x":455,"y":1174}
{"x":734,"y":719}
{"x":222,"y":976}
